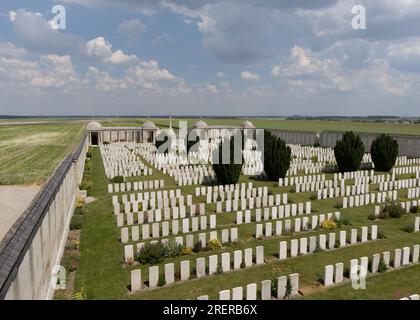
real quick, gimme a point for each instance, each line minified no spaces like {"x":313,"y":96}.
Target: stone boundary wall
{"x":307,"y":138}
{"x":34,"y":244}
{"x":409,"y":145}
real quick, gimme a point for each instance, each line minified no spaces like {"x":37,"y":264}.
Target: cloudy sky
{"x":200,"y":57}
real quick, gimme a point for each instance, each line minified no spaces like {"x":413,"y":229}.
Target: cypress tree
{"x":277,"y":156}
{"x":349,"y":152}
{"x":228,"y":173}
{"x":384,"y":152}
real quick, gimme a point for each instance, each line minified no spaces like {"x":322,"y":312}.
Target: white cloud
{"x":8,"y":49}
{"x":131,"y":29}
{"x":99,"y":48}
{"x":250,"y":76}
{"x":220,"y":75}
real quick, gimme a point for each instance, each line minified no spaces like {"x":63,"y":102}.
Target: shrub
{"x":292,"y":190}
{"x":152,"y":253}
{"x":348,"y":152}
{"x":317,"y":248}
{"x":214,"y":244}
{"x":117,"y":179}
{"x":338,"y":206}
{"x":219,"y":269}
{"x":105,"y":142}
{"x":88,"y":154}
{"x":80,"y":295}
{"x":76,"y":222}
{"x":384,"y":152}
{"x":413,"y":209}
{"x":328,"y":224}
{"x":381,"y":234}
{"x":186,"y":251}
{"x":242,"y":265}
{"x":392,"y":209}
{"x":197,"y":247}
{"x":86,"y":185}
{"x":372,"y":216}
{"x":277,"y":156}
{"x":161,"y":281}
{"x":88,"y":165}
{"x":79,"y":202}
{"x":227,"y":173}
{"x":313,"y":197}
{"x":173,"y":249}
{"x":408,"y":228}
{"x":382,"y":267}
{"x":78,"y":211}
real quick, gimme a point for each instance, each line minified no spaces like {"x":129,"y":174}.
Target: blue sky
{"x":220,"y":57}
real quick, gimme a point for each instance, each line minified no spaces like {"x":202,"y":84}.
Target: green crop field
{"x":300,"y":125}
{"x":29,"y":153}
{"x":102,"y":273}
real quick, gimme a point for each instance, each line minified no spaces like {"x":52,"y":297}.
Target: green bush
{"x":161,"y":281}
{"x":277,"y":156}
{"x":227,"y":173}
{"x":381,"y":234}
{"x":392,"y":209}
{"x":408,"y":228}
{"x":117,"y":179}
{"x":382,"y":267}
{"x":88,"y":154}
{"x":349,"y":152}
{"x":384,"y":152}
{"x":372,"y":216}
{"x":78,"y":211}
{"x":76,"y":222}
{"x":88,"y":166}
{"x":413,"y":209}
{"x":152,"y":253}
{"x":86,"y":185}
{"x":197,"y":247}
{"x":105,"y":142}
{"x":173,"y":249}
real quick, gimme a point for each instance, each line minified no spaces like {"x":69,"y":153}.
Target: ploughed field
{"x":30,"y":153}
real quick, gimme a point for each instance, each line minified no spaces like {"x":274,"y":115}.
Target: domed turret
{"x":248,"y":125}
{"x":200,"y":125}
{"x":93,"y":125}
{"x":149,"y":125}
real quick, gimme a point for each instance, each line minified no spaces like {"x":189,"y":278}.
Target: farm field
{"x":300,"y":125}
{"x":29,"y":153}
{"x":102,"y":273}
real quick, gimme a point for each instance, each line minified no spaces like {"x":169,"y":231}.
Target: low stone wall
{"x":35,"y":243}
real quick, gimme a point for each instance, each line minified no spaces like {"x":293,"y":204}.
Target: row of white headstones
{"x":333,"y":274}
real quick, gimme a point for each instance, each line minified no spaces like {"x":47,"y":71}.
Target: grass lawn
{"x":103,"y":275}
{"x":300,"y":125}
{"x":29,"y":153}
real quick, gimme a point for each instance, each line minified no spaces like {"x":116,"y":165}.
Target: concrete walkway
{"x":13,"y":201}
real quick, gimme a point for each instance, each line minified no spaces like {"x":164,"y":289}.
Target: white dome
{"x":247,"y":125}
{"x":149,"y":125}
{"x":167,"y":131}
{"x":93,"y":124}
{"x":200,"y":124}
